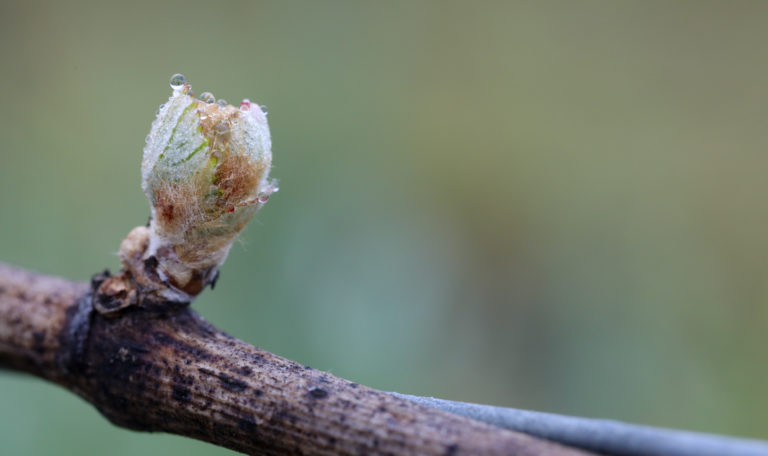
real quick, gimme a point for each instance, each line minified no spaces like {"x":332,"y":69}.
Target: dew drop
{"x":207,"y":97}
{"x":263,"y":198}
{"x":221,"y":128}
{"x":177,"y":81}
{"x":222,"y":102}
{"x":245,"y":105}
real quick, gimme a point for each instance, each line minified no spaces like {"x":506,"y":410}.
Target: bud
{"x":205,"y":172}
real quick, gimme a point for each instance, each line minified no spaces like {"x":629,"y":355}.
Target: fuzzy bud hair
{"x":205,"y":172}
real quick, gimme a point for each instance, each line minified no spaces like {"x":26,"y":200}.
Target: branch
{"x":164,"y":368}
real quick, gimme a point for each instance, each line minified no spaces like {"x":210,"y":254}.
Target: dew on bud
{"x":177,"y":81}
{"x":207,"y":97}
{"x":263,"y":197}
{"x":221,"y":128}
{"x":205,"y":172}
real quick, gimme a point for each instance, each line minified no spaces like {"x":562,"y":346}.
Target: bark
{"x":151,"y":366}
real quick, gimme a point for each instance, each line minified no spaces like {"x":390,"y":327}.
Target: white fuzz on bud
{"x":205,"y":172}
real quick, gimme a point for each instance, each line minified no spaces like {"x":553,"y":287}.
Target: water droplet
{"x":177,"y":81}
{"x":245,"y":105}
{"x":264,"y":109}
{"x":222,"y":102}
{"x":221,"y":128}
{"x":207,"y":97}
{"x":263,"y":198}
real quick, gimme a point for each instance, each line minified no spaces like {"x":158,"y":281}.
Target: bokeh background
{"x":557,"y":206}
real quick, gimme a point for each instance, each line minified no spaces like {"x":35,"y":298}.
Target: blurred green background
{"x":556,"y":206}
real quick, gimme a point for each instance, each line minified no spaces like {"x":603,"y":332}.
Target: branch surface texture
{"x":151,"y":370}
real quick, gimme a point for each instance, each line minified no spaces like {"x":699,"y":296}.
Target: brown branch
{"x":152,"y":370}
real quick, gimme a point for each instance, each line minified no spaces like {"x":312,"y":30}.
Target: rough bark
{"x":164,"y":368}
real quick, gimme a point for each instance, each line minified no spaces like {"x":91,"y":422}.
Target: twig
{"x":152,"y":370}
